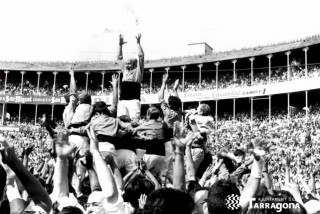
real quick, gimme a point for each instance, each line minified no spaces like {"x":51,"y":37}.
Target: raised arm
{"x":60,"y":177}
{"x":191,"y":172}
{"x":140,"y":51}
{"x":193,"y":124}
{"x":286,"y":163}
{"x":121,"y":42}
{"x":179,"y":145}
{"x":70,"y":108}
{"x":73,"y":85}
{"x":33,"y":187}
{"x":114,"y":83}
{"x":105,"y":177}
{"x":267,"y":178}
{"x":26,"y":154}
{"x":179,"y":181}
{"x":88,"y":164}
{"x":253,"y":183}
{"x":115,"y":170}
{"x":3,"y":178}
{"x":175,"y":88}
{"x":312,"y":183}
{"x":163,"y":86}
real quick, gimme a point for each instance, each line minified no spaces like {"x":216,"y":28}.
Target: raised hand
{"x":142,"y":165}
{"x":207,"y":174}
{"x":107,"y":156}
{"x":62,"y":146}
{"x":165,"y":78}
{"x":21,"y":152}
{"x":176,"y":84}
{"x":142,"y":200}
{"x":71,"y":70}
{"x":181,"y":142}
{"x":87,"y":162}
{"x":7,"y":151}
{"x":121,"y":40}
{"x":93,"y":140}
{"x":8,"y":154}
{"x":114,"y":80}
{"x":138,"y":37}
{"x":29,"y":149}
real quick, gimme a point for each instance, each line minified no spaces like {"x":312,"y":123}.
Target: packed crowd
{"x":243,"y":79}
{"x":107,"y":159}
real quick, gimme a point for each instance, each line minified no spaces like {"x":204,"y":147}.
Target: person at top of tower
{"x":132,"y":70}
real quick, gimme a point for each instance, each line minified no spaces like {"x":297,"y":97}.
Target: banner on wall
{"x":25,"y":99}
{"x":9,"y":128}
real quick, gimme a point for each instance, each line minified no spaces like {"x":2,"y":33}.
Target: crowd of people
{"x":111,"y":159}
{"x":243,"y":79}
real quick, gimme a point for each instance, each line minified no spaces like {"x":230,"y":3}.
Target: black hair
{"x":70,"y":210}
{"x":101,"y":107}
{"x":137,"y":186}
{"x":153,"y":113}
{"x":67,"y":98}
{"x":159,"y":108}
{"x":195,"y":190}
{"x":168,"y":201}
{"x":239,"y":152}
{"x":204,"y":109}
{"x":174,"y":103}
{"x":191,"y":185}
{"x":85,"y":186}
{"x":5,"y":207}
{"x":218,"y":194}
{"x":192,"y":106}
{"x":125,"y":118}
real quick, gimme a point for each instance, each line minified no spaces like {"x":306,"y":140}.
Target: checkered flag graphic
{"x":233,"y":202}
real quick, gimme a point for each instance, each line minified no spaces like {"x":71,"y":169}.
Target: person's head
{"x":67,"y":99}
{"x":131,"y":64}
{"x":125,"y":118}
{"x":5,"y":207}
{"x":135,"y":188}
{"x":84,"y":98}
{"x":168,"y":201}
{"x":199,"y":196}
{"x":201,"y":139}
{"x":70,"y":210}
{"x":217,"y":196}
{"x":203,"y":110}
{"x":240,"y":154}
{"x":95,"y":202}
{"x":85,"y":186}
{"x":153,"y":113}
{"x":191,"y":185}
{"x":100,"y":108}
{"x":174,"y":103}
